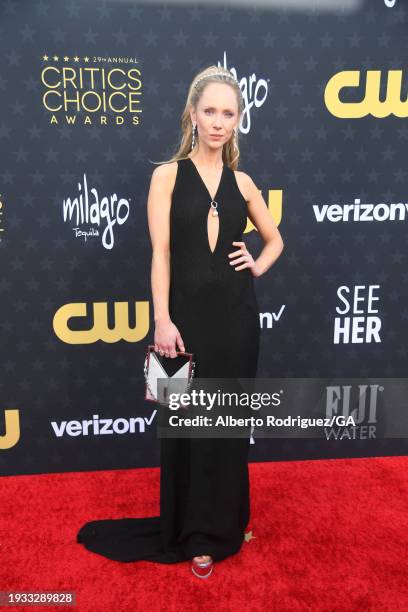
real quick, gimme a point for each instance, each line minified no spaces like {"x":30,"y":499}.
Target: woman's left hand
{"x":245,"y":258}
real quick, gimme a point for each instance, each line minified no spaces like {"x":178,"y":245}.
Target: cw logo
{"x":274,"y":207}
{"x":370,"y":104}
{"x":12,"y":429}
{"x":100,"y":329}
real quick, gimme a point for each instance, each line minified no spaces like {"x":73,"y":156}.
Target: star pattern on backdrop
{"x":294,"y":145}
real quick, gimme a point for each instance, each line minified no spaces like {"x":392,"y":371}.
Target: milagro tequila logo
{"x":89,"y":211}
{"x":254,"y":91}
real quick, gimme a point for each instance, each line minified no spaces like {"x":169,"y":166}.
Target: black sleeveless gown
{"x":204,"y":483}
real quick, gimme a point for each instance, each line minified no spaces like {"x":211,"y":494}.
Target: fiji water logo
{"x":91,"y":213}
{"x":254,"y":91}
{"x":357,"y":401}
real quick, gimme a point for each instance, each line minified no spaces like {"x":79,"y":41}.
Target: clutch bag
{"x":175,"y":374}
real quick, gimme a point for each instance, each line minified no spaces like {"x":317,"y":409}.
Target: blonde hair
{"x":211,"y":74}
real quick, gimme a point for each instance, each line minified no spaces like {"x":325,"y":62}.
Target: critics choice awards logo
{"x":93,"y":90}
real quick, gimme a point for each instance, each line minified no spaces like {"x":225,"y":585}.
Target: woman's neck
{"x":206,"y":160}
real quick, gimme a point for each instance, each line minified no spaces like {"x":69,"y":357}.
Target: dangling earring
{"x":193,"y":139}
{"x":235,"y":138}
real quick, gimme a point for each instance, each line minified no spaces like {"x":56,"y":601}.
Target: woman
{"x":204,"y":303}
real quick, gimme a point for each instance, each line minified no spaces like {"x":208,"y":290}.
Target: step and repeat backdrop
{"x":91,"y":94}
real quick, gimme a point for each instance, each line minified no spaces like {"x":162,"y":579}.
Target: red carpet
{"x":330,"y":536}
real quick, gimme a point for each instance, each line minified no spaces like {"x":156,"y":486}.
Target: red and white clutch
{"x":165,"y":375}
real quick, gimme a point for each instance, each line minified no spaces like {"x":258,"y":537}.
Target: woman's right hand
{"x":166,"y":336}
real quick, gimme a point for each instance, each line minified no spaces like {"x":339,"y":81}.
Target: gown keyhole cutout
{"x":213,"y":229}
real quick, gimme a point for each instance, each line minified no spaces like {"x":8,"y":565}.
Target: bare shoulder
{"x":246,"y":185}
{"x":165,"y":170}
{"x":165,"y":175}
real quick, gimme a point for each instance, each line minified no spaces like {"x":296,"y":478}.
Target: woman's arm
{"x":158,"y":215}
{"x":260,"y":216}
